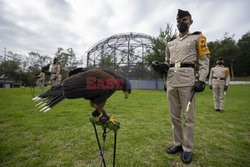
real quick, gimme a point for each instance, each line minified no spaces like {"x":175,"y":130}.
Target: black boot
{"x":174,"y":149}
{"x":186,"y":157}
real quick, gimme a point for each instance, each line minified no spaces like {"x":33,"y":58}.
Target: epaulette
{"x":196,"y":33}
{"x":173,"y":38}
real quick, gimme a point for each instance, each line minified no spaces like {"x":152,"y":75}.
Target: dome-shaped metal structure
{"x":120,"y":50}
{"x":124,"y":53}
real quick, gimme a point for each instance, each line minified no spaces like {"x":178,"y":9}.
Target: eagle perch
{"x":94,"y":84}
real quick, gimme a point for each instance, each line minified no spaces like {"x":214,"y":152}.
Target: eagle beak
{"x":126,"y":94}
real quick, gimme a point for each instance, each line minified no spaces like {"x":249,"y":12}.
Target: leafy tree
{"x":11,"y":66}
{"x":242,"y":61}
{"x":34,"y":63}
{"x":67,"y":60}
{"x":106,"y":61}
{"x":35,"y":59}
{"x":160,"y":42}
{"x":225,"y":48}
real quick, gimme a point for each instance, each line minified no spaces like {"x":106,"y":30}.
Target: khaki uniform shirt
{"x":189,"y":49}
{"x":56,"y":69}
{"x":219,"y":75}
{"x":41,"y":76}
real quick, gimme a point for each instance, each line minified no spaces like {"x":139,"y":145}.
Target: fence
{"x":158,"y":83}
{"x":147,"y":84}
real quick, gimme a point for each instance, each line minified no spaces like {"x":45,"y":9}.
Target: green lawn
{"x":64,"y":136}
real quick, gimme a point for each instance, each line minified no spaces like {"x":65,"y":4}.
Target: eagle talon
{"x":95,"y":113}
{"x":112,"y":120}
{"x":104,"y":119}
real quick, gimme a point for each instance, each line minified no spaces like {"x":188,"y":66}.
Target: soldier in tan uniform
{"x":56,"y":77}
{"x":218,"y":81}
{"x":40,"y":80}
{"x":183,"y":55}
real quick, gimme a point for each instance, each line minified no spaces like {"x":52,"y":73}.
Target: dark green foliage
{"x":236,"y":55}
{"x":160,"y":42}
{"x":242,"y":62}
{"x":67,"y":60}
{"x":107,"y":61}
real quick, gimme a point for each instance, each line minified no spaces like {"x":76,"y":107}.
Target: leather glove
{"x":155,"y":65}
{"x":165,"y":87}
{"x":225,"y":88}
{"x":199,"y":86}
{"x":210,"y":87}
{"x":160,"y":67}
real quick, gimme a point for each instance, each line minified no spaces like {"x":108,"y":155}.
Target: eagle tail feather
{"x":50,"y":98}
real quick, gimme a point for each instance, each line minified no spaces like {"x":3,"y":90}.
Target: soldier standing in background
{"x":218,"y":81}
{"x":56,"y":77}
{"x":40,"y":80}
{"x":181,"y":56}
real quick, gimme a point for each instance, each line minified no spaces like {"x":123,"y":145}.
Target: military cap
{"x":55,"y":60}
{"x":220,"y":60}
{"x":182,"y":13}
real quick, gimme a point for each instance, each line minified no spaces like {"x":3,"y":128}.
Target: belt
{"x":181,"y":65}
{"x":53,"y":73}
{"x":218,"y":78}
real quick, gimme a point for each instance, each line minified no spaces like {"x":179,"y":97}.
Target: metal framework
{"x":124,"y":49}
{"x":123,"y":52}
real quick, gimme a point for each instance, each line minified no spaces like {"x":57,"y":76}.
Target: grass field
{"x":65,"y":137}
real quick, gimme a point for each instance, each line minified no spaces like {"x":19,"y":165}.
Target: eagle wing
{"x":78,"y":86}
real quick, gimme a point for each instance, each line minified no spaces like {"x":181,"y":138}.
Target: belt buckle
{"x":218,"y":78}
{"x":177,"y":64}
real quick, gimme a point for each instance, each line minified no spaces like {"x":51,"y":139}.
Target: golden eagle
{"x":94,"y":84}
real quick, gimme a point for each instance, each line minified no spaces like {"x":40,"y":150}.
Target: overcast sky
{"x":44,"y":25}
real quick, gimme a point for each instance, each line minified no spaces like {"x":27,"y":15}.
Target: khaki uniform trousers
{"x":218,"y":96}
{"x":55,"y":80}
{"x":178,"y":99}
{"x":40,"y":84}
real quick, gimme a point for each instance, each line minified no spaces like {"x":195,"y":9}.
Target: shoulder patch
{"x":202,"y":47}
{"x":196,"y":33}
{"x":173,"y":38}
{"x":227,"y":72}
{"x":171,"y":42}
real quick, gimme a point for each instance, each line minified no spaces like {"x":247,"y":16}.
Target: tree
{"x":106,"y":61}
{"x":11,"y":66}
{"x":67,"y":60}
{"x":35,"y":59}
{"x":32,"y":66}
{"x":160,"y":44}
{"x":225,"y":48}
{"x":242,"y":61}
